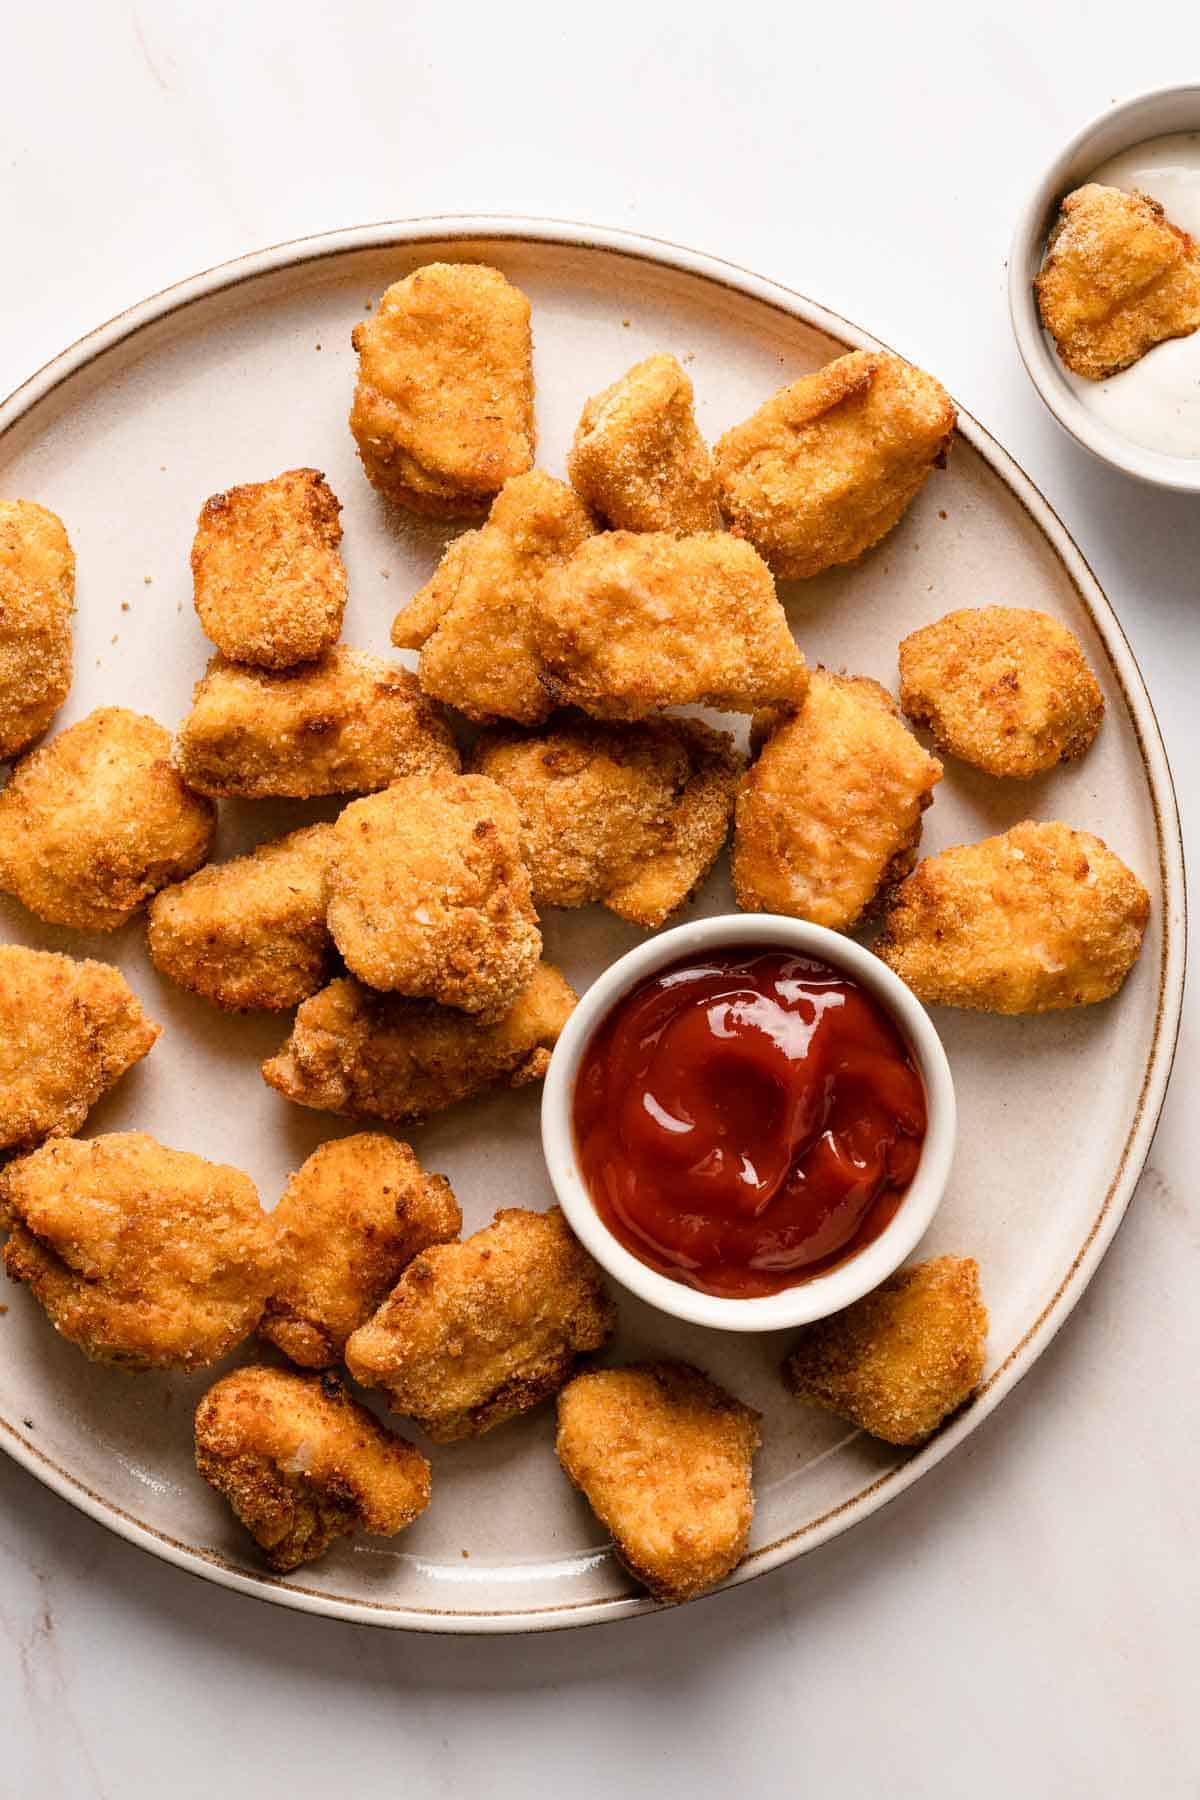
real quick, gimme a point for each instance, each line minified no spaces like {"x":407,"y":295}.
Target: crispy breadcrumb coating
{"x":638,"y":457}
{"x":349,"y":723}
{"x":37,"y":598}
{"x":1002,"y":687}
{"x":474,"y":622}
{"x":96,"y":820}
{"x":377,"y":1056}
{"x":443,"y":410}
{"x":270,"y":587}
{"x":663,"y":1456}
{"x":635,"y":622}
{"x":477,"y":1332}
{"x":301,"y":1463}
{"x":827,"y":466}
{"x":1117,"y":279}
{"x":901,"y":1359}
{"x":145,"y":1257}
{"x":829,"y":816}
{"x":1039,"y":918}
{"x":350,"y":1221}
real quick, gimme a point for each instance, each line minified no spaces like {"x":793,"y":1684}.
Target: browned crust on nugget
{"x":638,"y":457}
{"x":37,"y":599}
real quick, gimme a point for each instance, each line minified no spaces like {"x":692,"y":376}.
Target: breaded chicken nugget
{"x":1002,"y":687}
{"x":1039,"y":918}
{"x":350,"y":1221}
{"x":250,"y":932}
{"x":145,"y":1257}
{"x":301,"y":1463}
{"x":376,"y":1056}
{"x":1117,"y":279}
{"x":663,"y":1457}
{"x":443,"y":410}
{"x":270,"y":587}
{"x":475,"y":1333}
{"x":633,"y":816}
{"x":349,"y":723}
{"x":901,"y":1359}
{"x":829,"y":816}
{"x":37,"y":598}
{"x":428,"y":893}
{"x":97,"y":820}
{"x":475,"y":619}
{"x":635,"y":622}
{"x":68,"y":1031}
{"x":638,"y":457}
{"x":827,"y":466}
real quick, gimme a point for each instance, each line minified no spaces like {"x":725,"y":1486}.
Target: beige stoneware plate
{"x":247,"y":370}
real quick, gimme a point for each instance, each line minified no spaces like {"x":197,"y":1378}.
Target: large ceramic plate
{"x":248,"y":370}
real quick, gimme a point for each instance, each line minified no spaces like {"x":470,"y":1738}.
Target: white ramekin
{"x":823,"y":1294}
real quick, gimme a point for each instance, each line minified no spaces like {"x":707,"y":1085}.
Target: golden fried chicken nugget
{"x":1117,"y":279}
{"x":477,"y":1332}
{"x":638,"y":621}
{"x":37,"y":598}
{"x":350,"y":1221}
{"x":663,"y":1457}
{"x":301,"y":1463}
{"x":1002,"y":687}
{"x":348,"y":723}
{"x":270,"y":587}
{"x":377,"y":1056}
{"x":428,"y":893}
{"x":145,"y":1257}
{"x":827,"y":466}
{"x":633,"y":816}
{"x":474,"y":622}
{"x":901,"y":1359}
{"x":638,"y":457}
{"x":250,"y":932}
{"x":97,"y":820}
{"x":443,"y":410}
{"x":1038,"y":918}
{"x":829,"y":816}
{"x":68,"y":1031}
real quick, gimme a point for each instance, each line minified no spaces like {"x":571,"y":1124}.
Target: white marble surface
{"x":1025,"y":1621}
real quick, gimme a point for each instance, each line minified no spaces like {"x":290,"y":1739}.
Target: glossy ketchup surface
{"x":745,"y":1120}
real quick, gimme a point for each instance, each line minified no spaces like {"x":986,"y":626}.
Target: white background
{"x":1025,"y":1621}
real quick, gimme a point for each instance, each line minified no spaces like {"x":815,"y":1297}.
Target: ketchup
{"x":744,"y":1121}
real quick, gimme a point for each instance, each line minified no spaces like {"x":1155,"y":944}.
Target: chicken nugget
{"x":443,"y":409}
{"x":376,"y":1056}
{"x":827,"y":466}
{"x":1038,"y":918}
{"x":301,"y":1463}
{"x":1002,"y":687}
{"x":1117,"y":279}
{"x":428,"y":893}
{"x":97,"y":820}
{"x":350,"y":1221}
{"x":901,"y":1359}
{"x":663,"y":1457}
{"x":638,"y":457}
{"x":477,"y":1332}
{"x":829,"y":816}
{"x":348,"y":723}
{"x":635,"y":622}
{"x":145,"y":1257}
{"x":37,"y":598}
{"x":68,"y":1031}
{"x":270,"y":587}
{"x":632,"y":816}
{"x":474,"y":622}
{"x":250,"y":932}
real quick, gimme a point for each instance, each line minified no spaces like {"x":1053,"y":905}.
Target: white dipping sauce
{"x":1156,"y":402}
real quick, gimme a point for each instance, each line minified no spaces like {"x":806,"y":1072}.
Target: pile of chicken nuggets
{"x":565,"y":626}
